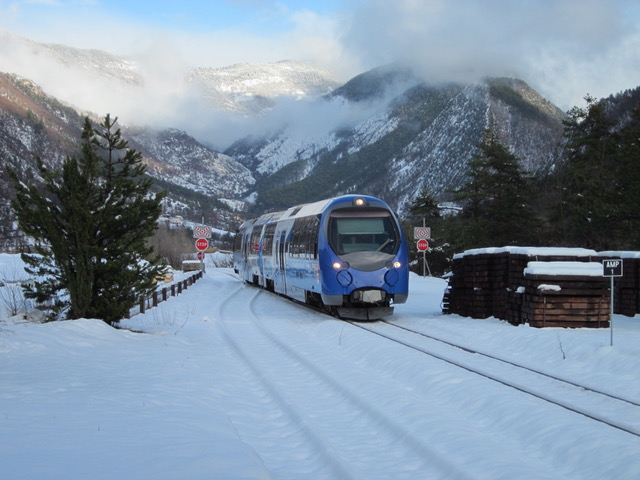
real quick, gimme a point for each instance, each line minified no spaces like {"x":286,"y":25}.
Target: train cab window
{"x":363,"y":231}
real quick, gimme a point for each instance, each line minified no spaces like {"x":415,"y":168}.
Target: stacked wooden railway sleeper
{"x":544,"y":287}
{"x":565,"y":294}
{"x":626,"y":290}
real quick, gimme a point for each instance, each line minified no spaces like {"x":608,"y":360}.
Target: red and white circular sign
{"x":423,"y":245}
{"x":202,"y":244}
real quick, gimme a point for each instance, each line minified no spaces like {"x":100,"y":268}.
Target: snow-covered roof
{"x":588,"y":269}
{"x":619,"y":254}
{"x":531,"y":251}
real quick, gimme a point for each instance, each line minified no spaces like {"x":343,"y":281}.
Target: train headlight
{"x":360,"y":202}
{"x":337,"y":265}
{"x":397,"y":264}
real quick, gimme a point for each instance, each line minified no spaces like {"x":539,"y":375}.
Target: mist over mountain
{"x":252,"y":88}
{"x":248,"y":138}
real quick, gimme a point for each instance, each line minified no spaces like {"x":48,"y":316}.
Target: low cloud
{"x":564,"y":48}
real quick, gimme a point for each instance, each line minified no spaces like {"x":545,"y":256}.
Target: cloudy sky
{"x":563,"y":48}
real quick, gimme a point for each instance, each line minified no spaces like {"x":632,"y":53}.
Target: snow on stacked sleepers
{"x":541,"y":286}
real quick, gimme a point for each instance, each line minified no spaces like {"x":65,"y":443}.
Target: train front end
{"x":363,"y":258}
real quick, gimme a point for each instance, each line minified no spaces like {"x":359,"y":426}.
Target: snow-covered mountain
{"x":250,"y":88}
{"x":174,"y":156}
{"x":43,"y":56}
{"x":413,"y":134}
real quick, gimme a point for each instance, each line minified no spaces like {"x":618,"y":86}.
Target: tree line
{"x":591,"y":200}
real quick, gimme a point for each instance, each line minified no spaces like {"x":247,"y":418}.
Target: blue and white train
{"x":346,"y":255}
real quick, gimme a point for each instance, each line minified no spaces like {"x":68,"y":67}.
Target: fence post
{"x":142,"y":304}
{"x":155,"y":298}
{"x":164,"y":294}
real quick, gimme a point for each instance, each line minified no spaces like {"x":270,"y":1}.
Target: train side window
{"x":237,"y":241}
{"x":267,"y":239}
{"x":295,"y":240}
{"x":315,"y":242}
{"x":254,"y":246}
{"x":304,"y":238}
{"x":312,"y":237}
{"x":245,"y":244}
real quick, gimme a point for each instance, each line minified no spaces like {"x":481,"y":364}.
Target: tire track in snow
{"x":320,"y":460}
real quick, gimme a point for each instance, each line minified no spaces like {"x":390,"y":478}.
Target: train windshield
{"x":363,"y":231}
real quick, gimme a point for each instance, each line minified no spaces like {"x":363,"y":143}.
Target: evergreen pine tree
{"x":90,"y":221}
{"x":628,"y":160}
{"x":497,"y":198}
{"x":591,"y":196}
{"x":424,"y":206}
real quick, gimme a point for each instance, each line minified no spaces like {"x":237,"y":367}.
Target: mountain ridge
{"x":424,"y":136}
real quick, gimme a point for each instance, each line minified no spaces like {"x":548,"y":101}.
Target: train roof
{"x":308,"y":209}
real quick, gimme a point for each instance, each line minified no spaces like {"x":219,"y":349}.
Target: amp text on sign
{"x":612,"y":267}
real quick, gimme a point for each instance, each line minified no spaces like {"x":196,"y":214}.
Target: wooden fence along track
{"x":495,"y":282}
{"x":164,"y":293}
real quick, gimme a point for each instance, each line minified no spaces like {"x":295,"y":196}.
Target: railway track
{"x":596,"y":404}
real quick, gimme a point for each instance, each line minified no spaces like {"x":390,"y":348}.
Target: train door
{"x":280,"y":277}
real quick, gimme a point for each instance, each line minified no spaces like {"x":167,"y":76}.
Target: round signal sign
{"x":202,"y":244}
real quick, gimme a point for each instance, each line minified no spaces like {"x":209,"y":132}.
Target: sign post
{"x":202,"y":234}
{"x":423,"y":246}
{"x":422,"y":234}
{"x":612,"y":267}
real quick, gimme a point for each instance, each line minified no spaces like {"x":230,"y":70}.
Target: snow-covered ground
{"x":231,"y":382}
